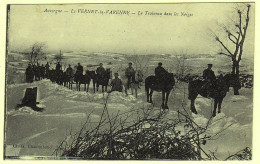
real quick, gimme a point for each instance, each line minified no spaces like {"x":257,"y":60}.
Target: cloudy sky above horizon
{"x":128,"y":34}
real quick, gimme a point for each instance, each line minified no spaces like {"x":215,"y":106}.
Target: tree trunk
{"x":236,"y":82}
{"x":233,"y":68}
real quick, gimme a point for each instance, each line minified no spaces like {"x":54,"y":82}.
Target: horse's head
{"x":171,"y":78}
{"x":232,"y":80}
{"x":222,"y":84}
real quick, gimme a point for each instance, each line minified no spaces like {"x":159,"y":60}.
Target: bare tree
{"x":236,"y":38}
{"x":140,"y":62}
{"x":37,"y":52}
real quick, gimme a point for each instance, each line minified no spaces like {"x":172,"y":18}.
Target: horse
{"x":52,"y":75}
{"x":77,"y":78}
{"x":37,"y":73}
{"x":67,"y":80}
{"x":59,"y":76}
{"x":93,"y":77}
{"x":134,"y":85}
{"x":164,"y":85}
{"x":219,"y":91}
{"x":29,"y":75}
{"x":103,"y":79}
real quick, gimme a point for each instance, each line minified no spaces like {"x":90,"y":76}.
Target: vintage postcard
{"x":150,"y":81}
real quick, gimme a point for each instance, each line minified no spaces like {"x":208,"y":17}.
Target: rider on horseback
{"x":58,"y":66}
{"x":130,"y":74}
{"x":209,"y":80}
{"x":100,"y":70}
{"x":79,"y":69}
{"x":69,"y":71}
{"x":160,"y":72}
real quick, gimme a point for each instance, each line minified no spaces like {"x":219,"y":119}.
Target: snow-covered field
{"x":38,"y":133}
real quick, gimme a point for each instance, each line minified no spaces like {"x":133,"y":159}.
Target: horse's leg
{"x":215,"y":107}
{"x":219,"y":104}
{"x":163,"y":99}
{"x":87,"y":87}
{"x":151,"y":96}
{"x":97,"y":86}
{"x":131,"y":86}
{"x":125,"y":90}
{"x":102,"y":88}
{"x":192,"y":106}
{"x":79,"y":86}
{"x":94,"y":87}
{"x":166,"y":100}
{"x":136,"y":91}
{"x":147,"y":94}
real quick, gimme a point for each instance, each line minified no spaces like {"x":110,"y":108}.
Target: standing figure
{"x":29,"y":74}
{"x":47,"y":70}
{"x":43,"y":75}
{"x":130,"y":74}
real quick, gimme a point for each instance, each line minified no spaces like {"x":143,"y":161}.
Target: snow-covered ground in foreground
{"x":38,"y":133}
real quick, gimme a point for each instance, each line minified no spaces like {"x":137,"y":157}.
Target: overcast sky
{"x":129,"y":34}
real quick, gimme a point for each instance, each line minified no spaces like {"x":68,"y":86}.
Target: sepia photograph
{"x":148,"y":81}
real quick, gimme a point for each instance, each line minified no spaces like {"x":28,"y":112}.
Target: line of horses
{"x":165,"y":85}
{"x":78,"y":78}
{"x":62,"y":78}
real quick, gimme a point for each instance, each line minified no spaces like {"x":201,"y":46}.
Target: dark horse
{"x":67,"y":80}
{"x":219,"y":90}
{"x":165,"y":85}
{"x":59,"y":76}
{"x":79,"y":78}
{"x":103,"y":79}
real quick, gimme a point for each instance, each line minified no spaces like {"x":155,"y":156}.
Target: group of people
{"x":36,"y":72}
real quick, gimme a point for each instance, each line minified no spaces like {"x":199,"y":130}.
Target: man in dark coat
{"x":208,"y":74}
{"x":100,"y":70}
{"x":116,"y":84}
{"x":160,"y":72}
{"x":209,"y":80}
{"x":69,"y":71}
{"x":47,"y":69}
{"x":130,"y":74}
{"x":58,"y":66}
{"x":79,"y":69}
{"x":42,"y":71}
{"x":29,"y":74}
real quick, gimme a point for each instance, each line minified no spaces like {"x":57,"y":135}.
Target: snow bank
{"x":21,"y":111}
{"x":238,"y":98}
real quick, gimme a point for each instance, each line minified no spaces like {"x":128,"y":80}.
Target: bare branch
{"x":229,"y":36}
{"x":217,"y":39}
